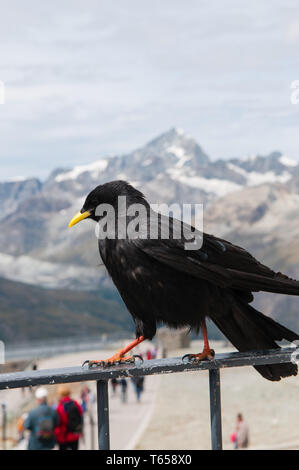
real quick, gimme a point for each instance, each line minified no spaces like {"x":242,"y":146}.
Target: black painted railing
{"x":153,"y":367}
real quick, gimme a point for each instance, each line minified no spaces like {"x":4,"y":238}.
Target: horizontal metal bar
{"x":157,"y":366}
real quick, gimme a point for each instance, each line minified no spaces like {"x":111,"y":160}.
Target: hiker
{"x":70,"y":425}
{"x":85,"y":398}
{"x":20,"y":426}
{"x":41,"y":423}
{"x":114,"y":384}
{"x":149,"y":355}
{"x":124,"y":386}
{"x":155,"y":353}
{"x":139,"y":386}
{"x":242,"y":433}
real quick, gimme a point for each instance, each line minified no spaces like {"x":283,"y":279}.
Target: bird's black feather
{"x":160,"y":281}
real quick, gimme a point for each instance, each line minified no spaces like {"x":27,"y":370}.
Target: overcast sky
{"x":84,"y":79}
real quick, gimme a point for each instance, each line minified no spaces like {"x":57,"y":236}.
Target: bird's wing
{"x":219,"y":262}
{"x":170,"y":252}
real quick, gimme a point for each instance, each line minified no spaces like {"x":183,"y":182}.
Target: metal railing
{"x":152,"y":367}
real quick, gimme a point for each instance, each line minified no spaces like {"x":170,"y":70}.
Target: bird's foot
{"x":206,"y":355}
{"x":114,"y":360}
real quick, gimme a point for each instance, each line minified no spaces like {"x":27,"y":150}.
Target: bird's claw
{"x":85,"y":362}
{"x":112,"y":361}
{"x":206,"y":355}
{"x":136,"y":356}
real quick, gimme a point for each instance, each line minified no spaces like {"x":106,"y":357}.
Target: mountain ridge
{"x":251,"y":200}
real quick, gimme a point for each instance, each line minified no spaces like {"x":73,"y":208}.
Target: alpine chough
{"x":162,"y":282}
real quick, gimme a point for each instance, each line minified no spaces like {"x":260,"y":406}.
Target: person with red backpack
{"x":70,"y":425}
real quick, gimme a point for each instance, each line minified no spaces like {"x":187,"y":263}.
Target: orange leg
{"x":119,"y":357}
{"x":207,"y":353}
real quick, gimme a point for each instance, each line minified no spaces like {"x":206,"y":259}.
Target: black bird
{"x":162,"y":282}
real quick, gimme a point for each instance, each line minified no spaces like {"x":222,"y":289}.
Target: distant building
{"x":173,"y":339}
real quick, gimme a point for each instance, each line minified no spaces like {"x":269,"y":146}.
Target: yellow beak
{"x":78,"y":217}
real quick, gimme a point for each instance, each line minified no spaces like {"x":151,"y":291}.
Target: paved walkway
{"x":181,"y":417}
{"x":127,"y":420}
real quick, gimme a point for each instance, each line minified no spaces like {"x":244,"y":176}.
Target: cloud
{"x":293,"y":32}
{"x":87,"y":79}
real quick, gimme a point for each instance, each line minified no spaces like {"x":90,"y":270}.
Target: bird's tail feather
{"x":278,"y":283}
{"x":248,"y":329}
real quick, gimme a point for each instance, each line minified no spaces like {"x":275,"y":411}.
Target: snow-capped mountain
{"x":176,"y":159}
{"x":170,"y":168}
{"x":252,"y":201}
{"x":173,"y":157}
{"x":15,"y":191}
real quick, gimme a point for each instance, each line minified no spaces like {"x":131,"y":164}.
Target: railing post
{"x":215,"y":409}
{"x":103,"y":415}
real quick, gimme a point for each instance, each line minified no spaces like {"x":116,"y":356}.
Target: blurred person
{"x":70,"y":420}
{"x":41,"y":423}
{"x":20,"y":426}
{"x":114,"y":384}
{"x":233,"y":439}
{"x":124,"y":386}
{"x":242,"y":433}
{"x":85,"y":398}
{"x":149,"y":355}
{"x":139,"y":386}
{"x":155,"y":353}
{"x":34,"y":368}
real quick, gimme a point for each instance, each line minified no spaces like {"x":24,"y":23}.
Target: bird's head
{"x":107,"y":193}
